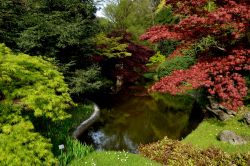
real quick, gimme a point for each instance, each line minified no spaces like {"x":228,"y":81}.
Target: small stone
{"x":246,"y":118}
{"x":231,"y":137}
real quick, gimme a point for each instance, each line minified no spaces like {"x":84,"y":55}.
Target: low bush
{"x":206,"y":133}
{"x":176,"y":153}
{"x":157,"y":58}
{"x":186,"y":57}
{"x":176,"y":63}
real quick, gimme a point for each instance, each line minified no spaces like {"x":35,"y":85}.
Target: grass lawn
{"x":111,"y":158}
{"x":206,"y":133}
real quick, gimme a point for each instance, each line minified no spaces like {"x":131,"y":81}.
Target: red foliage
{"x":134,"y":66}
{"x":130,"y":68}
{"x":221,"y":75}
{"x":229,"y":17}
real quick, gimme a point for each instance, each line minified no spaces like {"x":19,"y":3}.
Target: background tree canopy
{"x":60,"y":28}
{"x":131,"y":15}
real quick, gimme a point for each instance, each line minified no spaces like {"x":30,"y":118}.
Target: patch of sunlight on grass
{"x":206,"y":134}
{"x":108,"y":158}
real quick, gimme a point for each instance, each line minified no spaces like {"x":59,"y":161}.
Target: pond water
{"x":128,"y":121}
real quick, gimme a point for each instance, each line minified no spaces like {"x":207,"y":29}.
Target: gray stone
{"x":246,"y":118}
{"x":229,"y":112}
{"x":219,"y":113}
{"x":218,"y":110}
{"x":231,"y":137}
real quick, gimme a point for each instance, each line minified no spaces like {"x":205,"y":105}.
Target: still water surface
{"x":128,"y":121}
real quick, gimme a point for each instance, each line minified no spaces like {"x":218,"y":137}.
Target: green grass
{"x":206,"y":134}
{"x":74,"y":150}
{"x":110,"y":158}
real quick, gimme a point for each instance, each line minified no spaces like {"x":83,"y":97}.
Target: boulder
{"x":246,"y":118}
{"x":231,"y":137}
{"x":219,"y":113}
{"x":218,"y":110}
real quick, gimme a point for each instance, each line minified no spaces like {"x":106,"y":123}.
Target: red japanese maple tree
{"x":129,"y":68}
{"x":219,"y":69}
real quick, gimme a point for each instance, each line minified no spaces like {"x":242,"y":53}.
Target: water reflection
{"x":135,"y":120}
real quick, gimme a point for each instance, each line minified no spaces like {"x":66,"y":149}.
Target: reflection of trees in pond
{"x":177,"y":102}
{"x":133,"y":120}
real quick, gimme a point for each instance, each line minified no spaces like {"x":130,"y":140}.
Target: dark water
{"x":128,"y":121}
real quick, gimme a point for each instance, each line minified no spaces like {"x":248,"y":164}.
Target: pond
{"x":128,"y":121}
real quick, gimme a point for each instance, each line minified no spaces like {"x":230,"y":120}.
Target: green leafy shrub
{"x":176,"y":63}
{"x":166,"y":47}
{"x":19,"y":144}
{"x":150,"y":75}
{"x":165,"y":16}
{"x":157,"y":58}
{"x":110,"y":46}
{"x":89,"y":81}
{"x":188,"y":57}
{"x":175,"y":153}
{"x":34,"y":84}
{"x":60,"y":133}
{"x":210,"y":6}
{"x":29,"y":87}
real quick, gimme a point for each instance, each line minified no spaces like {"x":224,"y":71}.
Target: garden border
{"x":87,"y":123}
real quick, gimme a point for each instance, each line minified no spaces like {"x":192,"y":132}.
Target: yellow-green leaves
{"x":33,"y":83}
{"x":28,"y":84}
{"x":210,"y":6}
{"x":19,"y":144}
{"x":110,"y":47}
{"x":155,"y":59}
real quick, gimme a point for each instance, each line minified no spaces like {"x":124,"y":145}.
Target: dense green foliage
{"x":89,"y":81}
{"x":35,"y":102}
{"x":166,"y":47}
{"x":165,"y":16}
{"x":177,"y":63}
{"x":188,"y":57}
{"x":29,"y":87}
{"x":157,"y":58}
{"x":133,"y":16}
{"x":60,"y":28}
{"x":60,"y":133}
{"x":175,"y":153}
{"x":19,"y":144}
{"x":110,"y":46}
{"x":34,"y":84}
